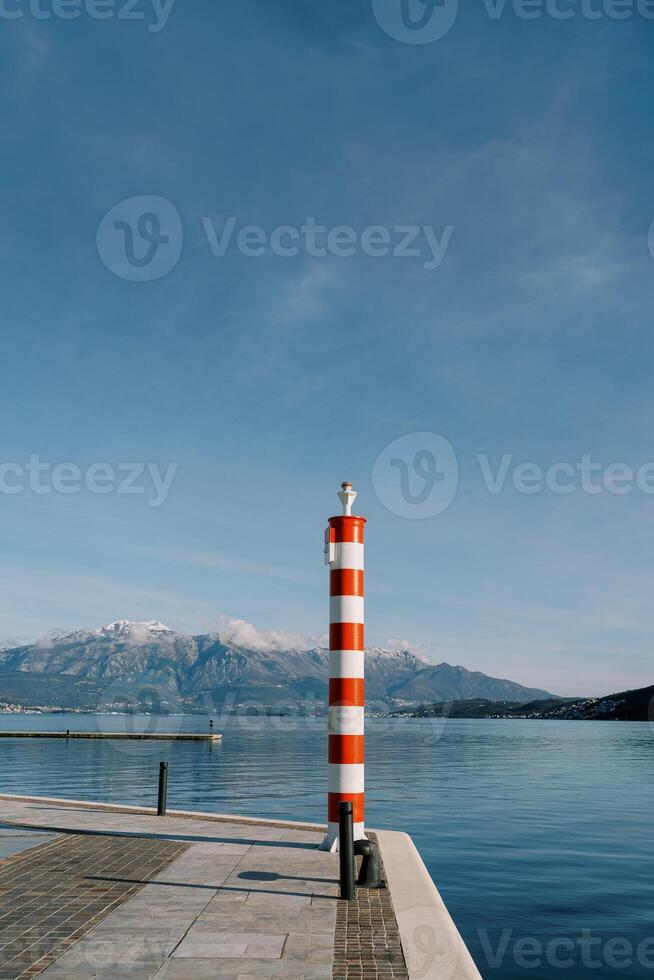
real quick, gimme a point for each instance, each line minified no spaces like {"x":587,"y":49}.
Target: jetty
{"x":160,"y":736}
{"x":107,"y":891}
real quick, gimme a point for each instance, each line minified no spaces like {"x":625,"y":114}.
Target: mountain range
{"x":128,"y":663}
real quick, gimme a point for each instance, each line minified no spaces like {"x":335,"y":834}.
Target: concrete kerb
{"x":432,"y":945}
{"x":152,"y":811}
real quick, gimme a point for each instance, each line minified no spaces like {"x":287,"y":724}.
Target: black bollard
{"x":163,"y":787}
{"x":369,"y":876}
{"x":346,"y":849}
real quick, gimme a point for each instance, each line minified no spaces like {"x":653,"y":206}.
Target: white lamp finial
{"x":347,"y":496}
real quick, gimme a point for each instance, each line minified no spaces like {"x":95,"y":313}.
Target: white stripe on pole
{"x":346,"y":663}
{"x":345,"y":778}
{"x":348,"y":555}
{"x":346,"y":609}
{"x":345,"y":721}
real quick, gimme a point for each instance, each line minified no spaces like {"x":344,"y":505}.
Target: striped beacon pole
{"x":344,"y":555}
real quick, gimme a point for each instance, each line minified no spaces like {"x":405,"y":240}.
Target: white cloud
{"x":45,"y":642}
{"x":247,"y":635}
{"x":146,"y":632}
{"x":393,"y":644}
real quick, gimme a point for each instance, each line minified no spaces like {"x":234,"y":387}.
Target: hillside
{"x":637,"y":705}
{"x":123,"y":660}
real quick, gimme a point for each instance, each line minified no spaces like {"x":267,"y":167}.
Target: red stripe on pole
{"x":348,"y":529}
{"x":357,"y":806}
{"x":346,"y":636}
{"x":346,"y":692}
{"x":346,"y":581}
{"x":346,"y":749}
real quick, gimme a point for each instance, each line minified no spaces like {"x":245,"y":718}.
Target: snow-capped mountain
{"x":125,"y":656}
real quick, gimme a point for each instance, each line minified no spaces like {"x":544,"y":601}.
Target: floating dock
{"x":161,"y":737}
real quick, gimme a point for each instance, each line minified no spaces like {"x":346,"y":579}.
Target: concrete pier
{"x":162,"y":737}
{"x":121,"y":893}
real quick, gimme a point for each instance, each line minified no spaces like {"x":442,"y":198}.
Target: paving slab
{"x":206,"y":944}
{"x":13,"y":840}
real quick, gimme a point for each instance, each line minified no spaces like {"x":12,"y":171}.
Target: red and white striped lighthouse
{"x":344,"y":555}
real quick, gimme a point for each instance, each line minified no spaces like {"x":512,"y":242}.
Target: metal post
{"x":163,"y":787}
{"x":346,"y":849}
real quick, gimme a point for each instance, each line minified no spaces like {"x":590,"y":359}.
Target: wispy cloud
{"x":246,"y":634}
{"x":305,"y":295}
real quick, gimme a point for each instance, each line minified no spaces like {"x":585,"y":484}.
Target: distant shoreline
{"x":389,"y":716}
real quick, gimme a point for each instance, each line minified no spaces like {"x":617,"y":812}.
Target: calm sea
{"x":537,"y":834}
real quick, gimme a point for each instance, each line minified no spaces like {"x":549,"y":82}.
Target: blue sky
{"x":268,"y":380}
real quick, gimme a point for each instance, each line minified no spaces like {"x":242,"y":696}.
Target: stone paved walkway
{"x":237,"y":901}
